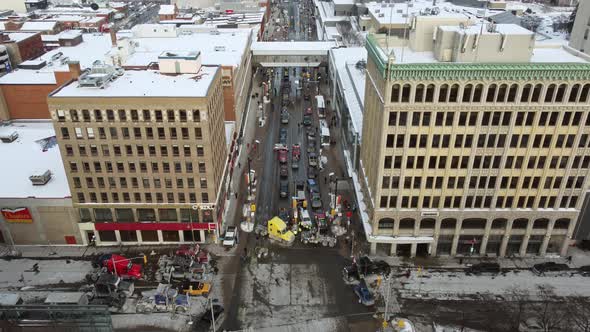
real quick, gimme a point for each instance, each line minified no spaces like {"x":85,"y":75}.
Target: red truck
{"x":120,"y":266}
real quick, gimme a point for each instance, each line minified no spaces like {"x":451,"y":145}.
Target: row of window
{"x":138,"y":133}
{"x":486,"y":141}
{"x":132,"y":167}
{"x":477,"y":202}
{"x":493,"y":93}
{"x":93,"y":197}
{"x":141,"y":215}
{"x":481,"y":182}
{"x":473,"y":223}
{"x":484,"y":162}
{"x":131,"y":115}
{"x":137,"y":150}
{"x":146,"y":183}
{"x":472,"y":119}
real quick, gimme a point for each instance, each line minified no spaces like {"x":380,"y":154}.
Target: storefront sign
{"x":18,"y":215}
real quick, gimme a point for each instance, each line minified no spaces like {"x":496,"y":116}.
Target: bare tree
{"x":519,"y":299}
{"x":547,"y":310}
{"x":578,"y":313}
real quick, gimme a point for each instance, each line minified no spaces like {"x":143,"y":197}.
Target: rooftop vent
{"x":381,"y":15}
{"x":9,"y":138}
{"x":99,"y":75}
{"x":40,"y":180}
{"x":219,"y":48}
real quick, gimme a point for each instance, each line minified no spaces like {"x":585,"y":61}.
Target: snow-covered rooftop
{"x":166,"y":10}
{"x":94,"y":47}
{"x":20,"y":36}
{"x":226,"y":48}
{"x":401,"y":13}
{"x":38,"y":26}
{"x":146,"y":83}
{"x":352,"y":81}
{"x":26,"y":156}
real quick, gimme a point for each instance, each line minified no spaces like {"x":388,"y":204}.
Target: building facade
{"x":144,"y":169}
{"x":478,"y":156}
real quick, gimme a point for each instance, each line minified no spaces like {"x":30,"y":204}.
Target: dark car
{"x":549,"y":268}
{"x":584,"y":270}
{"x":350,"y":274}
{"x":284,"y":171}
{"x":284,"y":189}
{"x":307,"y":120}
{"x":283,"y":136}
{"x":367,"y":266}
{"x":312,"y":172}
{"x":362,"y":291}
{"x":206,"y":319}
{"x":488,"y":268}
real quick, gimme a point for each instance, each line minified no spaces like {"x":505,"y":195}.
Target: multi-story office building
{"x":144,"y":151}
{"x":478,"y":144}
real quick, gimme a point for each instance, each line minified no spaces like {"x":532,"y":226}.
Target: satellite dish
{"x":94,"y":6}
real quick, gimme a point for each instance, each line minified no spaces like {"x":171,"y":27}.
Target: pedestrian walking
{"x":325,"y":179}
{"x":239,"y":164}
{"x":569,"y":259}
{"x":236,"y":195}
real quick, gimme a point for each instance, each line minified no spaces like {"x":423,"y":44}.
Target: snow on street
{"x":453,"y":285}
{"x":50,"y":272}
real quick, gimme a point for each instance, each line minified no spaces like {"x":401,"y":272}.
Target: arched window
{"x":419,"y":97}
{"x":477,"y":93}
{"x":512,"y":93}
{"x":406,"y":90}
{"x":442,"y":93}
{"x":562,"y":223}
{"x":502,"y":93}
{"x":491,"y":93}
{"x":430,"y":93}
{"x":473,"y":223}
{"x":560,"y":93}
{"x":454,"y":93}
{"x":499,"y":223}
{"x":448,"y":223}
{"x":427,"y":223}
{"x":537,"y":93}
{"x":386,"y":223}
{"x":467,"y":90}
{"x":549,"y":93}
{"x":520,"y":223}
{"x":407,"y":223}
{"x":395,"y":93}
{"x":526,"y":93}
{"x":574,"y":93}
{"x":584,"y":94}
{"x":541,"y":223}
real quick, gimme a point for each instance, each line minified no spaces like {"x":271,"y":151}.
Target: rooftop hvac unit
{"x":9,"y":138}
{"x":381,"y":15}
{"x":377,"y":11}
{"x":399,"y":11}
{"x":410,"y":5}
{"x":219,"y":48}
{"x":40,"y":180}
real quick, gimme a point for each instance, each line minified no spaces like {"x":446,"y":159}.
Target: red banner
{"x":18,"y":215}
{"x":153,"y":226}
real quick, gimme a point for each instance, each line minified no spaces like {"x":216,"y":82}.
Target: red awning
{"x":153,"y":226}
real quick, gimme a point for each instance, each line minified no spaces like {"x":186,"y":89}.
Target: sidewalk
{"x":579,"y":258}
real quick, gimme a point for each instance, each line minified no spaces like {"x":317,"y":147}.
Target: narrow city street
{"x":301,"y":283}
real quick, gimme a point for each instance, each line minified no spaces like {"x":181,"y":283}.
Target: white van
{"x":305,"y":219}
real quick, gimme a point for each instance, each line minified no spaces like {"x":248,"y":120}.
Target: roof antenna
{"x":485,"y":13}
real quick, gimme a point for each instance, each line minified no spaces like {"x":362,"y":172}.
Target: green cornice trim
{"x":475,"y":71}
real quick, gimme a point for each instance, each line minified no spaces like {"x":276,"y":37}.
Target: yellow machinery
{"x":278,"y":230}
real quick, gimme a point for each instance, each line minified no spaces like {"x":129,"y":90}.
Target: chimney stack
{"x":75,"y":70}
{"x":113,"y":37}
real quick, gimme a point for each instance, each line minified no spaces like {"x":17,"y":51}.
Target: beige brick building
{"x":484,"y":144}
{"x":144,"y":151}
